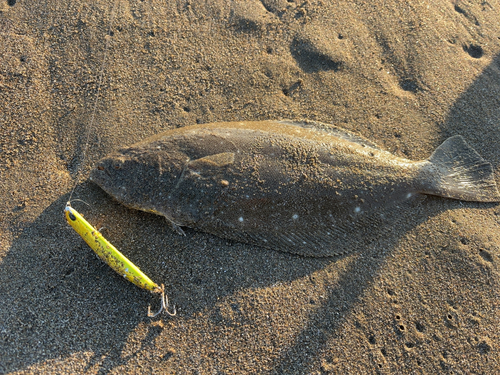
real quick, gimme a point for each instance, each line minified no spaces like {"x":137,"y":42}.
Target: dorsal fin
{"x":333,"y":131}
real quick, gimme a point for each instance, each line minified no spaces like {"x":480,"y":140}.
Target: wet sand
{"x":424,"y":299}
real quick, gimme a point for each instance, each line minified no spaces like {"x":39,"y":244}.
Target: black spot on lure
{"x":301,"y":187}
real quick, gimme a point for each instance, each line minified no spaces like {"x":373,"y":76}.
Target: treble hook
{"x":164,"y":305}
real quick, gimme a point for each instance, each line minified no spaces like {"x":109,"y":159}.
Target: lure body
{"x":107,"y":252}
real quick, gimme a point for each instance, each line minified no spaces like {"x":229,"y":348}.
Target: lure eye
{"x":71,"y":216}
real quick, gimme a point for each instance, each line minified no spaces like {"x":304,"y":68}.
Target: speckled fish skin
{"x":301,"y":187}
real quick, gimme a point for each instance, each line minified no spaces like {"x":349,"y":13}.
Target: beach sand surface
{"x":79,"y":79}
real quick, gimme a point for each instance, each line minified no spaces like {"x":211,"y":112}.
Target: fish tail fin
{"x":462,"y":173}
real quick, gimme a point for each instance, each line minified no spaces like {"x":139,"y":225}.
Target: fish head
{"x":137,"y":177}
{"x":113,"y":175}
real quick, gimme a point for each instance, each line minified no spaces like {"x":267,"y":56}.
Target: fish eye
{"x":117,"y":166}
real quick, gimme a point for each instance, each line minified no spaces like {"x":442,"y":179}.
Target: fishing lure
{"x":116,"y":260}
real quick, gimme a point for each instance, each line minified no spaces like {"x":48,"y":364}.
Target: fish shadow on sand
{"x":69,"y":293}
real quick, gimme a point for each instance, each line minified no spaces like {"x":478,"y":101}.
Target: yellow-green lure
{"x":116,"y":260}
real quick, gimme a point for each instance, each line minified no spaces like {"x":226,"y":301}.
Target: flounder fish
{"x":301,"y":187}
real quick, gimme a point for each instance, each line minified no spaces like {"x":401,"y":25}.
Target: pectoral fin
{"x":212,"y":161}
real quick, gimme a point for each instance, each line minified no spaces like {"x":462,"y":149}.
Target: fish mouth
{"x":99,"y":175}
